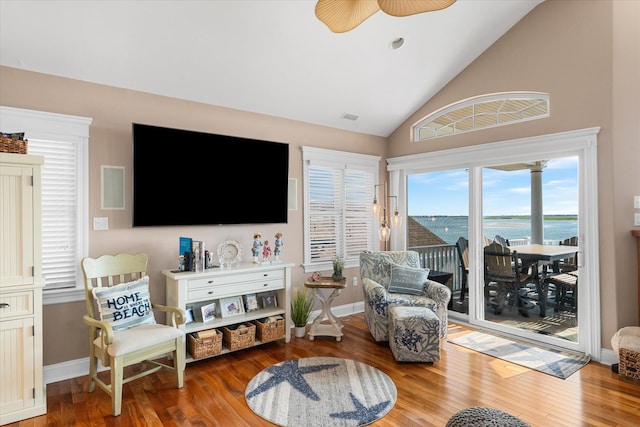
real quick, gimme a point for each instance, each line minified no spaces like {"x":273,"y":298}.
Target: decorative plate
{"x":229,"y":253}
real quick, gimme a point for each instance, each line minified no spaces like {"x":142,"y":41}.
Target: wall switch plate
{"x":100,"y":223}
{"x":636,"y":202}
{"x":354,"y":281}
{"x":636,"y":219}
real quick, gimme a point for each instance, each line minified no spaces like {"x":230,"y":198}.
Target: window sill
{"x":62,"y":296}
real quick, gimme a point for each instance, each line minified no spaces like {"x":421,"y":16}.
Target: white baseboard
{"x":67,"y":370}
{"x":80,"y":367}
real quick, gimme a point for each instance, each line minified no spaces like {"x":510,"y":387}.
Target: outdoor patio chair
{"x":501,"y":240}
{"x":503,"y":267}
{"x":462,"y":246}
{"x":569,"y":264}
{"x":566,"y":291}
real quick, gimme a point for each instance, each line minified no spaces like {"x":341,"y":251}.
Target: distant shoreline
{"x":498,"y":217}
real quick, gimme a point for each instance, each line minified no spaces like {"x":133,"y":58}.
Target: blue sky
{"x":505,"y":193}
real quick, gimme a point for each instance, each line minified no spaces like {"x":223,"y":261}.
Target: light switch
{"x":100,"y":223}
{"x":636,"y":219}
{"x":636,"y":202}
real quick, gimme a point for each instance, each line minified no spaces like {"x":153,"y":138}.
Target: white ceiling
{"x":265,"y":56}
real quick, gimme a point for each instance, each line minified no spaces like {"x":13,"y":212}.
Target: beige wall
{"x":113,"y":110}
{"x":562,"y":47}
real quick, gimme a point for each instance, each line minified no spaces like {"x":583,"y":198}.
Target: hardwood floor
{"x":428,"y":394}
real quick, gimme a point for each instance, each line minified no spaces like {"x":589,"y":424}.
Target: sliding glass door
{"x":526,"y":204}
{"x":438,"y":211}
{"x":537,"y":191}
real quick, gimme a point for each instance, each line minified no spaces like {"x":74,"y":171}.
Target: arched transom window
{"x":482,"y":112}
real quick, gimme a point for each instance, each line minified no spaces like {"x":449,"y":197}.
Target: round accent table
{"x":332,"y":326}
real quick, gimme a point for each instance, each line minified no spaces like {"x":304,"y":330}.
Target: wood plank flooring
{"x":428,"y":394}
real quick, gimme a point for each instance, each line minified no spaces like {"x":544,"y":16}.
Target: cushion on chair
{"x":125,"y":305}
{"x":140,"y":337}
{"x":407,"y":280}
{"x":377,"y":265}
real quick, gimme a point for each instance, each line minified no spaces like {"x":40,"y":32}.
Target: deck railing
{"x":441,"y":258}
{"x":445,"y":257}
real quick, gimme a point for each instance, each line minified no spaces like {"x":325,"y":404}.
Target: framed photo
{"x":189,"y":312}
{"x":231,"y":306}
{"x":208,"y":312}
{"x":251,"y":302}
{"x":269,"y":301}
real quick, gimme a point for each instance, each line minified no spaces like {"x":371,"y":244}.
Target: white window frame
{"x":40,"y":125}
{"x":581,"y":143}
{"x":338,"y":161}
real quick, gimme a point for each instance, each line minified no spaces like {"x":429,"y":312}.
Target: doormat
{"x":321,"y":392}
{"x":554,"y":362}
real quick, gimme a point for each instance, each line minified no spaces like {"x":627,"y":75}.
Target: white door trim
{"x":581,"y":143}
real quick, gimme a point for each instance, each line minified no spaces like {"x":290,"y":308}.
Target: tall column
{"x":537,"y":215}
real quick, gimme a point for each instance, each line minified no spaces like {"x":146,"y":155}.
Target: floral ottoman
{"x":414,"y":334}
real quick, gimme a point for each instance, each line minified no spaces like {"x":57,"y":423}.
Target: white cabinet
{"x":22,"y":388}
{"x":194,"y":290}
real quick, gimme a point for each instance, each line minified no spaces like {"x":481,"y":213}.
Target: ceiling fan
{"x":344,"y":15}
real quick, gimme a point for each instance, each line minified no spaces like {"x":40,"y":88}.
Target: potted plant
{"x":301,"y":305}
{"x":338,"y":266}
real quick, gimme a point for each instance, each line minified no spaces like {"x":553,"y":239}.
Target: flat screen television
{"x":183,"y":177}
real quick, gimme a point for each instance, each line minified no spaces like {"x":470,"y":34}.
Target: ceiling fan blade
{"x":412,"y":7}
{"x":344,"y":15}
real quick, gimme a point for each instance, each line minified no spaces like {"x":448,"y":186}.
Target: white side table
{"x":333,"y":325}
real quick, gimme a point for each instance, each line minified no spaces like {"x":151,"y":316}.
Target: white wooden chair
{"x":119,"y":342}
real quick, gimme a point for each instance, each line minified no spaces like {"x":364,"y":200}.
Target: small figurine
{"x":266,"y":251}
{"x":315,"y":277}
{"x":278,"y":248}
{"x":257,"y":244}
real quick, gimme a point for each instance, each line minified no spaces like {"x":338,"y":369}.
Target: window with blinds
{"x":59,"y":212}
{"x":63,"y":140}
{"x":338,"y":197}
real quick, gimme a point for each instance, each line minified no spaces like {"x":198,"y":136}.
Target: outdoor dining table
{"x":546,"y":254}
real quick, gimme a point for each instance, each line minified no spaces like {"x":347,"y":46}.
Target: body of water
{"x":450,"y":228}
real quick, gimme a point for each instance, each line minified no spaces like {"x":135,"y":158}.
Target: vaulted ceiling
{"x":265,"y":56}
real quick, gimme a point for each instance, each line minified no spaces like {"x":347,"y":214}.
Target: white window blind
{"x":63,"y":140}
{"x":338,"y":197}
{"x":59,"y":212}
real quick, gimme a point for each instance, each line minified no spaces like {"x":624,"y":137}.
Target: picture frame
{"x":251,"y":302}
{"x":269,"y":301}
{"x":231,"y":306}
{"x":189,"y":315}
{"x":208,"y":312}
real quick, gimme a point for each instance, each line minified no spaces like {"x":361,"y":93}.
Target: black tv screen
{"x":183,"y":177}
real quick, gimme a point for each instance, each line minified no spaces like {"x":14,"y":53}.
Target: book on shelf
{"x":197,"y":248}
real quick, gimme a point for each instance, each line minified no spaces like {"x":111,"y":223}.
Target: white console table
{"x":190,"y":289}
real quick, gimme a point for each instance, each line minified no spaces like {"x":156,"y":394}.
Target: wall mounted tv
{"x":183,"y":177}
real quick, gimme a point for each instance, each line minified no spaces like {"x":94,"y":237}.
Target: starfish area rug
{"x":554,"y":362}
{"x":321,"y":392}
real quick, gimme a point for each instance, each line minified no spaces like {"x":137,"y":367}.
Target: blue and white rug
{"x":554,"y":362}
{"x":321,"y":392}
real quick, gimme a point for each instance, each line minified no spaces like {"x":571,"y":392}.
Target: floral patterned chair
{"x":376,"y":272}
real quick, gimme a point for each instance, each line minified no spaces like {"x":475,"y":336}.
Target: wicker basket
{"x":236,"y":338}
{"x":205,"y":347}
{"x":10,"y":145}
{"x":269,"y":331}
{"x":629,"y":365}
